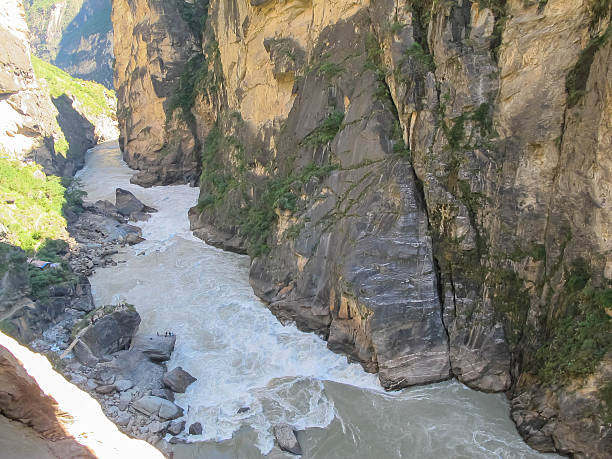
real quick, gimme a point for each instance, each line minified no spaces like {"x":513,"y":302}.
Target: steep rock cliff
{"x":154,"y":43}
{"x":424,"y":184}
{"x":28,"y":125}
{"x":76,"y":35}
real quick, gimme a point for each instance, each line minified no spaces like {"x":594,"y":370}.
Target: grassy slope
{"x":92,"y":95}
{"x":35,"y":214}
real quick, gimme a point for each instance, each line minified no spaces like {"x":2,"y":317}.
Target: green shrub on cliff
{"x":582,"y":333}
{"x":31,"y":205}
{"x":327,"y":130}
{"x":259,"y":218}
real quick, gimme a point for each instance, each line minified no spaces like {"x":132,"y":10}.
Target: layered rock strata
{"x":423,"y":184}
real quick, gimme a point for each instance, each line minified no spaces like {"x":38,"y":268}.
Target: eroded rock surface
{"x":424,"y":185}
{"x":153,"y":44}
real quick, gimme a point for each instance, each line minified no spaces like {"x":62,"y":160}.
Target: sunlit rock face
{"x":31,"y":123}
{"x":153,"y":44}
{"x":26,"y":114}
{"x":418,"y":184}
{"x":53,"y":415}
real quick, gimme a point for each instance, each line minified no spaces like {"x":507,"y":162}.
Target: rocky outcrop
{"x":108,"y":329}
{"x":153,"y":46}
{"x":47,"y":118}
{"x":424,"y":185}
{"x":130,"y":206}
{"x":64,"y":420}
{"x":27,"y":116}
{"x":76,"y":35}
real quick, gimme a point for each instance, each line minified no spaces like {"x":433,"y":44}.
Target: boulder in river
{"x":176,"y":427}
{"x":110,"y":329}
{"x":157,"y":348}
{"x":133,"y":239}
{"x":286,"y":439}
{"x":178,"y":380}
{"x":127,"y":204}
{"x":151,"y":406}
{"x":195,"y":428}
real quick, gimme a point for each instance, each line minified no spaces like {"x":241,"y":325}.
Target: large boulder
{"x":286,"y":438}
{"x":110,"y":329}
{"x":129,"y":205}
{"x":178,"y":380}
{"x":157,"y":348}
{"x":176,"y":427}
{"x":157,"y":406}
{"x":196,"y":428}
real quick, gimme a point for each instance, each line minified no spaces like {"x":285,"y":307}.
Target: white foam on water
{"x":239,"y":353}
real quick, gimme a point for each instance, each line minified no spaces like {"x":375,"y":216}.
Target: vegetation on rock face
{"x":327,"y":130}
{"x":32,"y":205}
{"x":213,"y":178}
{"x":580,"y":334}
{"x":93,"y":97}
{"x":260,"y":217}
{"x":197,"y":78}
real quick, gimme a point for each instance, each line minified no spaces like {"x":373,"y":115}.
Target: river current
{"x":243,"y":357}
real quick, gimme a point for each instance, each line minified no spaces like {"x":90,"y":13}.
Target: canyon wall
{"x":28,"y":125}
{"x":76,"y":35}
{"x":154,"y":43}
{"x":426,"y":185}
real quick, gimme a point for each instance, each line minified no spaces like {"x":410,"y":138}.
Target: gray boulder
{"x":123,"y":384}
{"x":84,"y":355}
{"x":156,"y":406}
{"x":286,"y":439}
{"x":133,"y":239}
{"x":178,"y":380}
{"x":112,"y":330}
{"x":128,"y":204}
{"x":195,"y":429}
{"x":176,"y":427}
{"x":157,"y":427}
{"x":107,"y":209}
{"x":105,"y":390}
{"x":157,"y":348}
{"x":163,"y":393}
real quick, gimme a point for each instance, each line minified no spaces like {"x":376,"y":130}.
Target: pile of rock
{"x":127,"y":373}
{"x":102,"y":229}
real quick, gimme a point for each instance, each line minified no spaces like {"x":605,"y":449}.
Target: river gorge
{"x":243,"y":357}
{"x":335,"y":228}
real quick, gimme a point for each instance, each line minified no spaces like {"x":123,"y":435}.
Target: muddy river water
{"x":243,"y":357}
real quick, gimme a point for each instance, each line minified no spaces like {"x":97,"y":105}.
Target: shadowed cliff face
{"x":76,"y":35}
{"x":424,"y":185}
